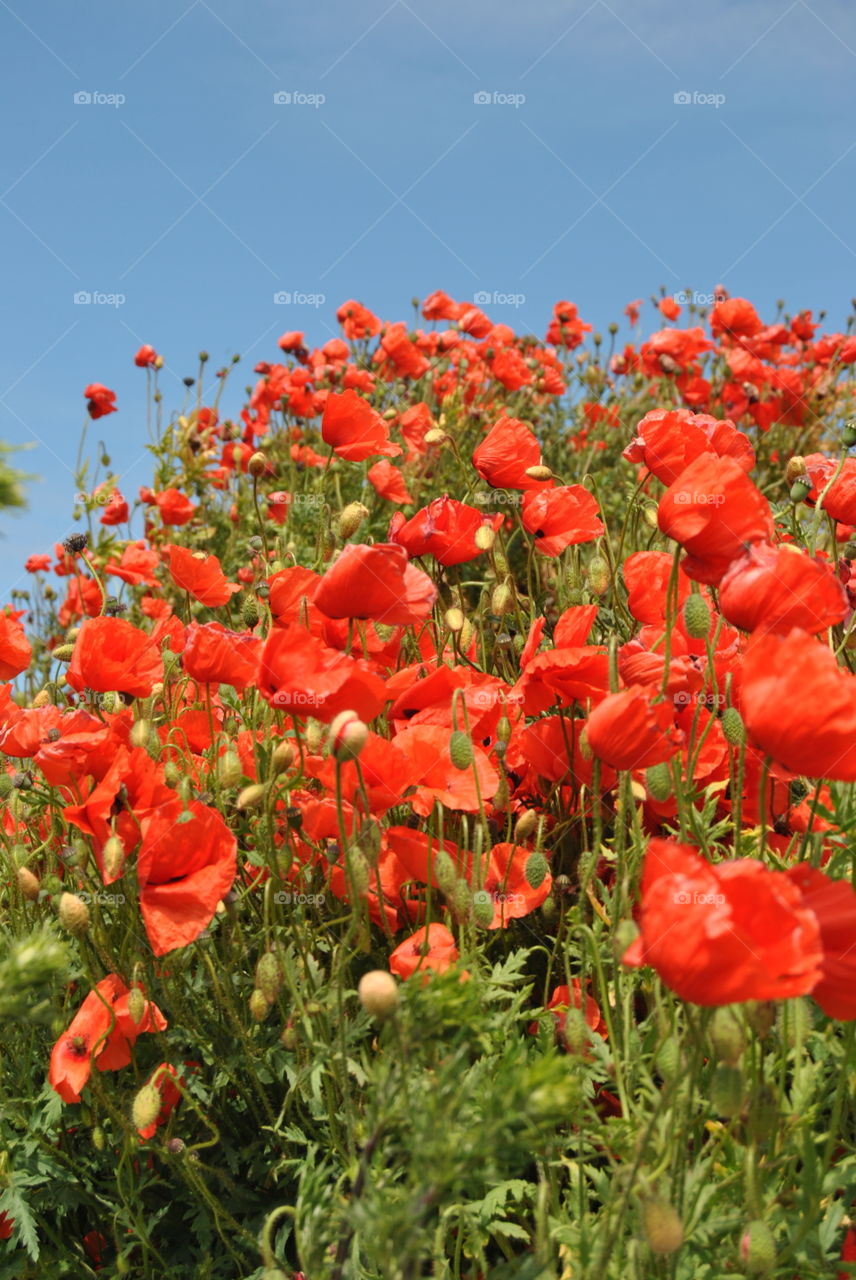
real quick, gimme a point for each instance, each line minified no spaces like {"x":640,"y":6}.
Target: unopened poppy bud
{"x":485,"y":537}
{"x":502,"y":600}
{"x":63,"y":653}
{"x":762,"y":1016}
{"x":258,"y":1006}
{"x":454,"y":619}
{"x":763,"y":1114}
{"x":230,"y":771}
{"x":147,"y":1106}
{"x":359,"y":869}
{"x":539,"y":473}
{"x":502,"y":795}
{"x":525,"y":825}
{"x":662,"y":1226}
{"x":251,"y":796}
{"x":576,"y":1032}
{"x":461,"y":749}
{"x":465,"y":636}
{"x":758,"y":1249}
{"x":598,"y":575}
{"x":378,"y":993}
{"x":667,"y":1059}
{"x":626,"y":933}
{"x":98,"y":1139}
{"x":795,"y":468}
{"x":288,"y":1038}
{"x":727,"y":1091}
{"x":28,"y":884}
{"x":140,"y":731}
{"x":460,"y":900}
{"x":435,"y":435}
{"x":283,"y":757}
{"x":503,"y":729}
{"x":250,"y":612}
{"x":549,"y":908}
{"x":113,"y":857}
{"x":351,"y":517}
{"x":696,"y":617}
{"x":727,"y":1035}
{"x":42,"y":699}
{"x":585,"y":750}
{"x":314,"y":736}
{"x":658,"y":779}
{"x":800,"y":489}
{"x":733,"y":728}
{"x":483,"y":911}
{"x":257,"y":464}
{"x":445,"y":872}
{"x":137,"y":1005}
{"x":348,"y":736}
{"x":536,"y":869}
{"x":73,"y":914}
{"x":269,"y":976}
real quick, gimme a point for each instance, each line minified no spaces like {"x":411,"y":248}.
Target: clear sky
{"x":529,"y":150}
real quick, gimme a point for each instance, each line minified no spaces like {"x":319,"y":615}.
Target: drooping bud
{"x":536,"y":869}
{"x":539,"y":473}
{"x":147,"y":1106}
{"x":485,"y":537}
{"x":283,"y":757}
{"x":598,"y":575}
{"x":257,"y":464}
{"x":28,"y":884}
{"x":758,"y":1248}
{"x":359,"y":869}
{"x":350,"y":518}
{"x":42,"y":698}
{"x":658,"y":779}
{"x":258,"y":1006}
{"x":662,"y":1226}
{"x":230,"y":771}
{"x":667,"y":1059}
{"x":250,"y":611}
{"x":269,"y":977}
{"x":696,"y":617}
{"x":378,"y":993}
{"x":525,"y":825}
{"x":733,"y":728}
{"x":483,"y":909}
{"x":137,"y":1005}
{"x":140,"y":731}
{"x":576,"y":1033}
{"x":73,"y":914}
{"x":435,"y":435}
{"x":460,"y":900}
{"x":113,"y":858}
{"x":461,"y":749}
{"x":795,"y":468}
{"x":251,"y":796}
{"x":63,"y":653}
{"x":454,"y":619}
{"x":445,"y":872}
{"x":348,"y":736}
{"x":502,"y":599}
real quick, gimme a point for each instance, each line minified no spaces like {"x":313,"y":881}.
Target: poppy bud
{"x":576,"y":1031}
{"x":535,"y":870}
{"x":348,"y":736}
{"x":251,"y":796}
{"x":696,"y":617}
{"x":484,"y":537}
{"x":230,"y":771}
{"x":461,"y":749}
{"x":63,"y":653}
{"x":98,"y":1140}
{"x":662,"y":1226}
{"x":28,"y":884}
{"x":351,"y":517}
{"x":465,"y":636}
{"x":250,"y":612}
{"x":257,"y":464}
{"x":269,"y":976}
{"x":147,"y":1106}
{"x":314,"y":736}
{"x":483,"y":908}
{"x":525,"y":825}
{"x":762,"y":1016}
{"x":288,"y":1038}
{"x":549,"y":908}
{"x":136,"y":1005}
{"x":140,"y":731}
{"x":658,"y":779}
{"x":763,"y":1114}
{"x":727,"y":1090}
{"x":460,"y":900}
{"x":502,"y":795}
{"x":598,"y":575}
{"x":258,"y":1006}
{"x":435,"y":436}
{"x":726,"y":1035}
{"x":626,"y":933}
{"x":445,"y":872}
{"x":73,"y":914}
{"x":733,"y":728}
{"x":795,"y":468}
{"x":800,"y":489}
{"x":378,"y":993}
{"x":454,"y":619}
{"x":503,"y":729}
{"x":667,"y":1059}
{"x":113,"y":857}
{"x":757,"y":1248}
{"x":359,"y":868}
{"x":649,"y":515}
{"x":42,"y":699}
{"x":539,"y":473}
{"x":283,"y":757}
{"x":502,"y":600}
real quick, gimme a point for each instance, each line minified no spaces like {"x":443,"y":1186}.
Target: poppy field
{"x":427,"y":813}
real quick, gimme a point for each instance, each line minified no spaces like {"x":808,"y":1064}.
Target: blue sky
{"x":184,"y":188}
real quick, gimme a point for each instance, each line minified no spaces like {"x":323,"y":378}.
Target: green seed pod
{"x":727,"y":1035}
{"x":727,"y":1091}
{"x":250,"y":612}
{"x":269,"y":977}
{"x":662,"y":1226}
{"x":800,"y":489}
{"x":73,"y":914}
{"x":733,"y":728}
{"x":63,"y":653}
{"x":658,"y":779}
{"x":258,"y":1006}
{"x":98,"y":1139}
{"x":696,"y":617}
{"x":758,"y":1249}
{"x":598,"y":575}
{"x":483,"y":911}
{"x":445,"y":871}
{"x":147,"y":1106}
{"x":460,"y":900}
{"x":536,"y":870}
{"x":461,"y":749}
{"x":576,"y":1033}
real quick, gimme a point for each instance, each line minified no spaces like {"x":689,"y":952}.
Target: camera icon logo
{"x":482,"y":98}
{"x":82,"y":298}
{"x":682,"y":98}
{"x":282,"y":299}
{"x":82,"y":98}
{"x":282,"y":99}
{"x":481,"y":298}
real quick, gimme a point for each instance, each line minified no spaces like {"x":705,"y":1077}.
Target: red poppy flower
{"x":357,"y":321}
{"x":560,"y":518}
{"x":834,"y":904}
{"x":565,"y":998}
{"x":37,"y":563}
{"x":439,"y":306}
{"x":115,"y":509}
{"x":726,"y":933}
{"x":102,"y":1025}
{"x":376,"y":582}
{"x":506,"y":887}
{"x":646,"y":576}
{"x":713,"y":510}
{"x":15,"y":649}
{"x":214,"y":655}
{"x":735,"y":318}
{"x":437,"y":778}
{"x":137,"y":564}
{"x":111,"y":654}
{"x":799,"y":706}
{"x":7,"y":1226}
{"x":301,"y":676}
{"x":840,"y":501}
{"x":354,"y":430}
{"x":628,"y":730}
{"x":174,"y":507}
{"x":430,"y":948}
{"x":145,"y":356}
{"x":388,"y":482}
{"x":508,"y":449}
{"x":779,"y":588}
{"x":668,"y":440}
{"x":566,"y":328}
{"x":445,"y":529}
{"x":201,"y":576}
{"x":575,"y":673}
{"x":399,"y":354}
{"x":101,"y":400}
